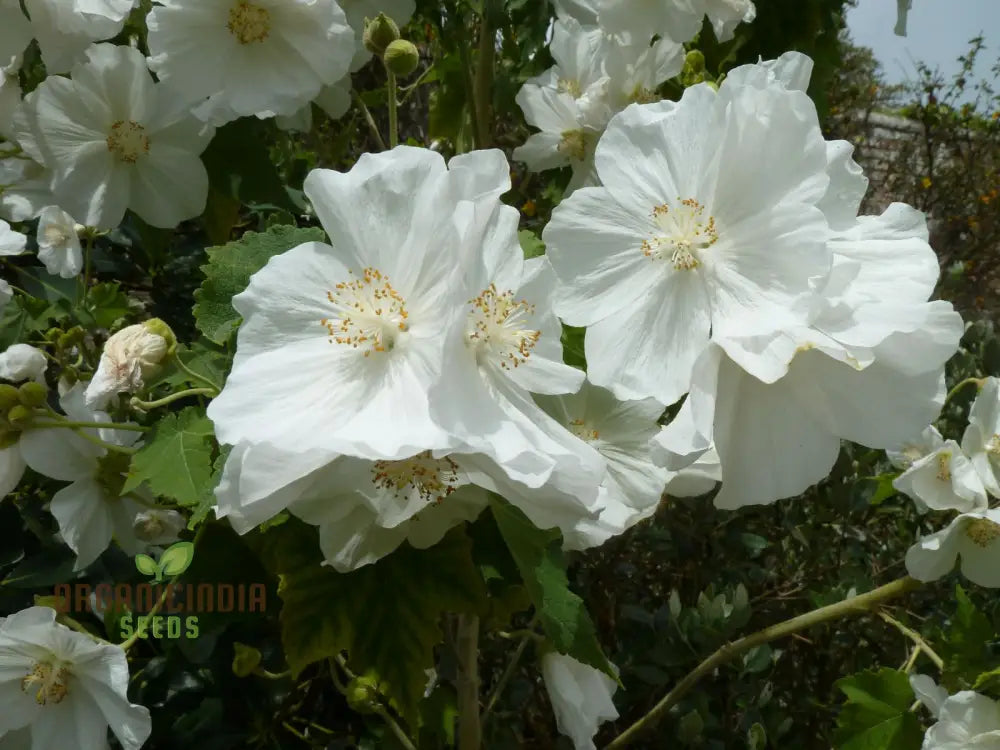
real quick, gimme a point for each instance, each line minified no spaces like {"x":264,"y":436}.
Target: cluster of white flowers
{"x":942,"y":475}
{"x":964,"y":720}
{"x":607,"y":58}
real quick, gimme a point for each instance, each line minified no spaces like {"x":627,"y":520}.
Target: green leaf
{"x":386,"y":615}
{"x":177,"y":558}
{"x":964,"y":645}
{"x":573,"y":349}
{"x":532,"y":246}
{"x":176,"y":460}
{"x":876,"y":715}
{"x":207,"y":501}
{"x":146,"y":565}
{"x":229,"y":270}
{"x":562,"y":614}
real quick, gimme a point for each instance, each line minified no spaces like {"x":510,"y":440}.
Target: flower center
{"x":432,"y":478}
{"x":983,"y":532}
{"x":370,"y":314}
{"x":574,"y":144}
{"x":500,"y":324}
{"x":684,"y":234}
{"x":249,"y":23}
{"x":944,"y":466}
{"x":583,"y":431}
{"x":569,"y":86}
{"x":49,"y":681}
{"x":128,"y":141}
{"x":993,"y":447}
{"x":642,"y":95}
{"x":55,"y":235}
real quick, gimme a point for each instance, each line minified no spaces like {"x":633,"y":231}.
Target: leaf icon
{"x":146,"y":565}
{"x":176,"y":558}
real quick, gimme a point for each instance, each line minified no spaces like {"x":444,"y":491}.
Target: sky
{"x":937,"y":32}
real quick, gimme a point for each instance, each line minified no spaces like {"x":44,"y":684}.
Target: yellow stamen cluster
{"x":993,"y":446}
{"x":128,"y":141}
{"x":944,"y":466}
{"x":684,"y":232}
{"x":49,"y":682}
{"x":249,"y":22}
{"x":574,"y":144}
{"x":370,"y":313}
{"x":983,"y":532}
{"x":500,"y":322}
{"x":433,"y":478}
{"x":569,"y":86}
{"x":579,"y":428}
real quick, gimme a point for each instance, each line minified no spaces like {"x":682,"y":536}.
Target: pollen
{"x":432,"y":478}
{"x":944,"y":466}
{"x":993,"y":446}
{"x":128,"y":141}
{"x":569,"y":86}
{"x":983,"y":532}
{"x":48,"y":681}
{"x":249,"y":22}
{"x":683,"y":233}
{"x":369,"y":314}
{"x":583,"y":431}
{"x":574,"y":144}
{"x":499,"y":328}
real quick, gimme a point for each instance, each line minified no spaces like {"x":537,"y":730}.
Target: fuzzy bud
{"x":379,"y":33}
{"x":130,"y":358}
{"x":401,"y":57}
{"x":32,"y":394}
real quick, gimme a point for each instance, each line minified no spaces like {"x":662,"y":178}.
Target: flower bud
{"x":32,"y":394}
{"x":20,"y":417}
{"x":379,"y":33}
{"x":130,"y":358}
{"x":401,"y":57}
{"x":362,"y":695}
{"x":9,"y":396}
{"x":695,"y":61}
{"x":245,"y":659}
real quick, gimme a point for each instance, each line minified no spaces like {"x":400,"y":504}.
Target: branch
{"x":855,"y":605}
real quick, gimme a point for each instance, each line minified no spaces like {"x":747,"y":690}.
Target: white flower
{"x":679,"y":20}
{"x":335,"y":100}
{"x":129,"y":359}
{"x":943,"y":480}
{"x":929,"y":693}
{"x":90,"y":511}
{"x":27,"y":189}
{"x":15,"y":33}
{"x":11,"y":242}
{"x":58,"y":243}
{"x":967,"y":720}
{"x":975,"y":537}
{"x":581,"y":697}
{"x":697,"y":479}
{"x":981,"y":441}
{"x":904,"y":454}
{"x":63,"y":687}
{"x":66,"y":28}
{"x":113,"y":140}
{"x":23,"y":362}
{"x":248,"y":57}
{"x":10,"y":100}
{"x":621,"y":432}
{"x":357,"y":11}
{"x":340,"y":345}
{"x":584,"y":11}
{"x":703,"y":223}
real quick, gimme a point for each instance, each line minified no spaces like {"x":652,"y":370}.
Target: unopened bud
{"x":130,"y":358}
{"x":20,"y":417}
{"x":245,"y":660}
{"x":9,"y":396}
{"x":695,"y":61}
{"x":32,"y":394}
{"x":362,"y":695}
{"x":379,"y":33}
{"x":158,"y":327}
{"x":401,"y":57}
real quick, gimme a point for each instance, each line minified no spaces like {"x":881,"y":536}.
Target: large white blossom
{"x":702,"y":224}
{"x":113,"y":140}
{"x":581,"y":697}
{"x":945,"y":479}
{"x":966,"y":720}
{"x":235,"y":58}
{"x":89,"y":511}
{"x":981,"y":441}
{"x":59,"y":246}
{"x":63,"y":689}
{"x":974,"y":537}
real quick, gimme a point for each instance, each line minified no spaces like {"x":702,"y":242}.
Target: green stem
{"x":147,"y":405}
{"x":508,"y":672}
{"x":107,"y":446}
{"x":393,"y":109}
{"x":484,"y":79}
{"x":467,"y":647}
{"x":92,"y":425}
{"x":855,"y":605}
{"x":193,"y":374}
{"x":376,"y":705}
{"x":954,"y":391}
{"x":369,"y":119}
{"x":917,"y":639}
